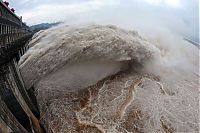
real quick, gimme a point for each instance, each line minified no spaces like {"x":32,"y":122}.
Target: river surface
{"x":104,"y":79}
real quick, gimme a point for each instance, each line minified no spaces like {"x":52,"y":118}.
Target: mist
{"x":155,"y":70}
{"x":180,"y":17}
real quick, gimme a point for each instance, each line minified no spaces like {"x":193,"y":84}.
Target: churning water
{"x":105,"y":79}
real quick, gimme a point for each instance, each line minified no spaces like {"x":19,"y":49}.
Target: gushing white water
{"x":67,"y":60}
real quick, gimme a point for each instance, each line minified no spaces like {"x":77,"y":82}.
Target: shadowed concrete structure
{"x":17,"y":111}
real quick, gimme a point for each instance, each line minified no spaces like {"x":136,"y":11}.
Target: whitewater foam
{"x":70,"y":68}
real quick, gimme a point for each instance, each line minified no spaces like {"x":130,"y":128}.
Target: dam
{"x":95,"y":79}
{"x":18,"y":108}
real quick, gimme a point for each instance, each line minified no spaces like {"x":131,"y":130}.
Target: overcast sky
{"x":178,"y":16}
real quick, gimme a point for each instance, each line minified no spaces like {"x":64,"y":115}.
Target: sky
{"x":177,"y":16}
